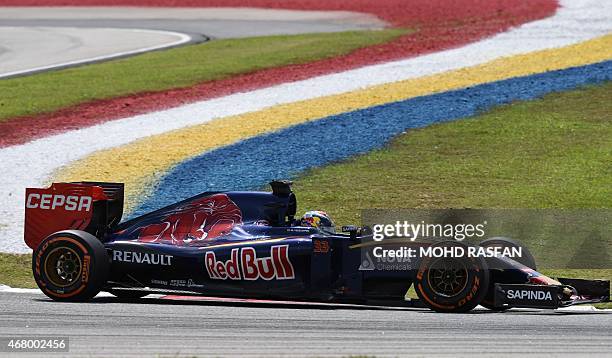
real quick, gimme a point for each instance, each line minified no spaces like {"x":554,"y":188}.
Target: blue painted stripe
{"x":251,"y":163}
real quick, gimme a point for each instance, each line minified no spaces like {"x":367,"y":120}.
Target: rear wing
{"x":94,"y":207}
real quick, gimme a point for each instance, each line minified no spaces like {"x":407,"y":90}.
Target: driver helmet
{"x":320,"y":220}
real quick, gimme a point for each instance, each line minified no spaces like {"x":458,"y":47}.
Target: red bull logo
{"x":244,"y":264}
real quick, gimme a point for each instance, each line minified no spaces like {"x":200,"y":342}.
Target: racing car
{"x":249,"y":244}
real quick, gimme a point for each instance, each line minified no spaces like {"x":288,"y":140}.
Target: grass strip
{"x":16,"y":270}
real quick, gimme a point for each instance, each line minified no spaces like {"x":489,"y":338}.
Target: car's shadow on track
{"x":265,"y":304}
{"x":229,"y":302}
{"x":244,"y":303}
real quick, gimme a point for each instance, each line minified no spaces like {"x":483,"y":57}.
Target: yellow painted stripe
{"x":142,"y":163}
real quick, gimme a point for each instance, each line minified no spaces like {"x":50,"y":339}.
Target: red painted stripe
{"x":442,"y":24}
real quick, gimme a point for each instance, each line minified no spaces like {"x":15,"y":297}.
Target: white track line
{"x":36,"y":291}
{"x":31,"y":164}
{"x":9,"y":289}
{"x":181,"y":39}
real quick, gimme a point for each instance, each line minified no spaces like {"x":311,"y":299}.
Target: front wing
{"x":570,"y":292}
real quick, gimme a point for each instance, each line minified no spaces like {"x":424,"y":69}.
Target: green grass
{"x":174,"y":68}
{"x":16,"y":270}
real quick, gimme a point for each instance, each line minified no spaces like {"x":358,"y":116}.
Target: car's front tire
{"x":70,"y":265}
{"x":452,"y":284}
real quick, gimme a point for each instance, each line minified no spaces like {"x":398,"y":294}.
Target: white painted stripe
{"x":36,"y":291}
{"x":9,"y":289}
{"x":576,"y":21}
{"x":583,"y":309}
{"x":181,"y":39}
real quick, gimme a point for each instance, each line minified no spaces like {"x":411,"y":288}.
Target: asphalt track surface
{"x":154,"y":327}
{"x":34,"y":39}
{"x":25,"y":50}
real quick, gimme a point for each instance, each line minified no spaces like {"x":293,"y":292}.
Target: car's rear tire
{"x":70,"y":265}
{"x":452,"y":284}
{"x":526,"y":259}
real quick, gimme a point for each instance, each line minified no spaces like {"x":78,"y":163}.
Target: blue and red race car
{"x":249,"y":244}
